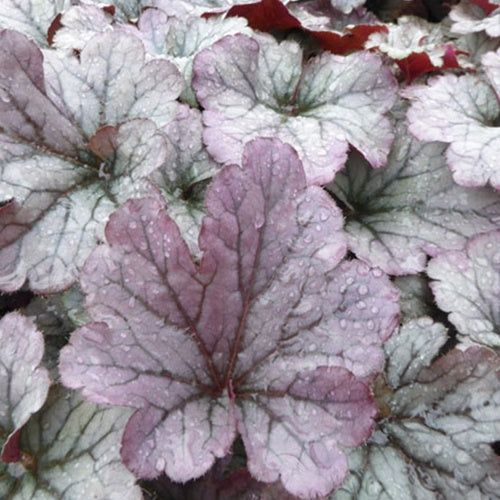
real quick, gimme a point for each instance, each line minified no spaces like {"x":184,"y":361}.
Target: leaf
{"x":476,"y":15}
{"x":309,"y":18}
{"x":416,"y":296}
{"x":412,"y":349}
{"x":55,"y":166}
{"x":265,"y":15}
{"x":112,"y":82}
{"x":125,"y":10}
{"x":31,"y":17}
{"x":467,"y":285}
{"x":491,"y":65}
{"x":411,"y":208}
{"x":463,"y":112}
{"x":79,"y":24}
{"x":445,"y":421}
{"x":475,"y":45}
{"x":183,"y":8}
{"x":272,"y":337}
{"x":57,"y":316}
{"x":180,"y":39}
{"x":382,"y":472}
{"x":257,"y":87}
{"x":319,"y":16}
{"x":23,"y":382}
{"x":346,"y":6}
{"x":184,"y":175}
{"x":417,"y":46}
{"x":71,"y":450}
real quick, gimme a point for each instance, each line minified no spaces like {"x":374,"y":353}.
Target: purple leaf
{"x":70,"y":451}
{"x":23,"y":382}
{"x":461,"y":111}
{"x":467,"y":285}
{"x":257,"y":87}
{"x":411,"y":208}
{"x":26,"y":113}
{"x":272,"y":337}
{"x":446,"y":420}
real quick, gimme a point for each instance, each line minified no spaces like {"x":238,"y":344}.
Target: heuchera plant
{"x":249,"y":249}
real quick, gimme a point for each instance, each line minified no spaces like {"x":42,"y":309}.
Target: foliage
{"x":249,"y":249}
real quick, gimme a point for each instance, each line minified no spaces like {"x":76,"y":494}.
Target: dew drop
{"x":437,"y":449}
{"x":462,"y":457}
{"x":160,"y":464}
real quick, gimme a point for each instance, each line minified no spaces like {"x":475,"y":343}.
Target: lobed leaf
{"x":23,"y":382}
{"x":445,"y":423}
{"x":379,"y":470}
{"x":70,"y":449}
{"x":476,"y":15}
{"x":79,"y":24}
{"x":31,"y":17}
{"x":461,"y":111}
{"x":257,"y":87}
{"x":67,"y":160}
{"x":411,"y":208}
{"x":467,"y":285}
{"x":272,"y":336}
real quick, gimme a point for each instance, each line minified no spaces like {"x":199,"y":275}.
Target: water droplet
{"x":436,"y":449}
{"x":160,"y":464}
{"x":462,"y":457}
